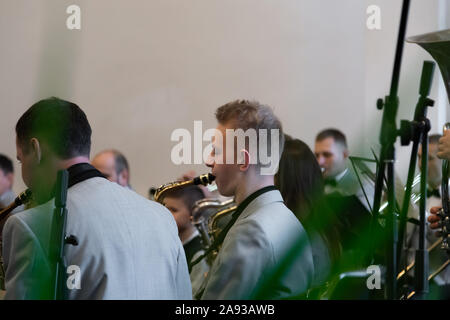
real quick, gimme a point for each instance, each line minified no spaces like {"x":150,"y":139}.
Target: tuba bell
{"x":437,"y":44}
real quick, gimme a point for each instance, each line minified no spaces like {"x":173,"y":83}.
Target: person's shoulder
{"x":267,"y":221}
{"x":246,"y":237}
{"x":349,"y":175}
{"x":33,"y":213}
{"x":33,"y":221}
{"x":274,"y":213}
{"x":349,"y":183}
{"x":105,"y":188}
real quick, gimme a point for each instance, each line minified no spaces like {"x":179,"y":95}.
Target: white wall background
{"x":141,"y":69}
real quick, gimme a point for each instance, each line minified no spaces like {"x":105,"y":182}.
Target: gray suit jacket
{"x":128,"y":247}
{"x":254,"y":247}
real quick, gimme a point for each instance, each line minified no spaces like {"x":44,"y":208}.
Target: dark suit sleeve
{"x":27,"y":273}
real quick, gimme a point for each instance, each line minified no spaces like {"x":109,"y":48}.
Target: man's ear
{"x":246,"y":160}
{"x":346,"y":153}
{"x":36,"y":149}
{"x":122,"y":179}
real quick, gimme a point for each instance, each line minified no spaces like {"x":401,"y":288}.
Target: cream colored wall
{"x":141,"y":69}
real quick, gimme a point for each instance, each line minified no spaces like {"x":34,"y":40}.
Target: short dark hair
{"x":434,"y":138}
{"x":6,"y":164}
{"x":62,"y":124}
{"x":336,"y":134}
{"x":189,"y":195}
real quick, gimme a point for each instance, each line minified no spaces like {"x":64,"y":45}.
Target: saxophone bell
{"x":210,"y":216}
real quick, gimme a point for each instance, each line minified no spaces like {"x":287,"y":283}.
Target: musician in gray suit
{"x":128,"y":247}
{"x":265,"y":253}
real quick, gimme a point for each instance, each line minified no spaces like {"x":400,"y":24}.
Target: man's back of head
{"x":52,"y":134}
{"x":61,"y":124}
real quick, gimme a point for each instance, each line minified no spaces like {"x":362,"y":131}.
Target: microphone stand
{"x":58,"y":238}
{"x":417,"y":131}
{"x":388,"y":135}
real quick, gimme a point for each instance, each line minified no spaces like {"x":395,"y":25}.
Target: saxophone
{"x":209,"y":216}
{"x":204,"y":180}
{"x":23,"y":198}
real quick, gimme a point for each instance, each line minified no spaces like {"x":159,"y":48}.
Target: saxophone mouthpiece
{"x":204,"y":179}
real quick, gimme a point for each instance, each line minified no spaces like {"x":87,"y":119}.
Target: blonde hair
{"x":245,"y":114}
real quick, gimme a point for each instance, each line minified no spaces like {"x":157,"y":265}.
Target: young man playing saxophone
{"x":263,"y":230}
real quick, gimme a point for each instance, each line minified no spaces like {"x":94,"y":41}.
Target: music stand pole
{"x":388,"y":135}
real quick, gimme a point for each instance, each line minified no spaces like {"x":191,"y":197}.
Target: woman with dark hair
{"x":300,"y":182}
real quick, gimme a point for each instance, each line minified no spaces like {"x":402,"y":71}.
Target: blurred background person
{"x":332,"y":154}
{"x":351,"y":202}
{"x":7,"y":195}
{"x":114,"y":166}
{"x":180,"y":202}
{"x":434,"y":174}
